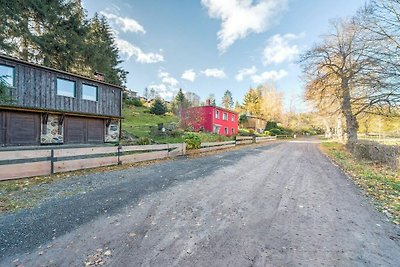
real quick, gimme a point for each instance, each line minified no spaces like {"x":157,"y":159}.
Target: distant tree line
{"x":58,"y":34}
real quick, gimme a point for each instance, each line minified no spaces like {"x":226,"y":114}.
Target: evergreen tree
{"x":158,"y":107}
{"x":57,"y":34}
{"x":227,"y":100}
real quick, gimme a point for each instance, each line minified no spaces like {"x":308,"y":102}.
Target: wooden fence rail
{"x":28,"y":163}
{"x":265,"y":139}
{"x":244,"y":140}
{"x":37,"y":162}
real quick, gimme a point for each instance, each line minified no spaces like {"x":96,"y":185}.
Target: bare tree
{"x":344,"y":67}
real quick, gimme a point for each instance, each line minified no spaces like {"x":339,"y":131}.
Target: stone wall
{"x":376,"y":152}
{"x":52,"y":132}
{"x":112,"y":132}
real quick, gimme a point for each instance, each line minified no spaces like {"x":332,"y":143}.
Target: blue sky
{"x":204,"y":45}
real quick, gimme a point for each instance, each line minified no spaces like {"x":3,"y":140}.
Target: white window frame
{"x":217,"y":114}
{"x":225,"y":116}
{"x":233,"y":117}
{"x":226,"y":130}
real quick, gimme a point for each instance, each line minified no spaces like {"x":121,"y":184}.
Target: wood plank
{"x":212,"y":148}
{"x":144,"y":148}
{"x":24,"y":154}
{"x":143,"y":157}
{"x":178,"y":151}
{"x":79,"y":164}
{"x":22,"y":170}
{"x":217,"y":143}
{"x":244,"y":138}
{"x":69,"y":152}
{"x":244,"y":142}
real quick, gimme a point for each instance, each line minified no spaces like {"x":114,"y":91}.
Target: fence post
{"x":52,"y":161}
{"x":119,"y":154}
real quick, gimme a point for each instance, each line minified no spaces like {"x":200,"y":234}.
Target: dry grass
{"x":377,"y":180}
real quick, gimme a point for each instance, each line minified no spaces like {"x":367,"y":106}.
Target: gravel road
{"x":279,"y":204}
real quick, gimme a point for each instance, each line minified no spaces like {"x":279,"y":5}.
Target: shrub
{"x":192,"y":140}
{"x":158,"y":107}
{"x":133,"y":102}
{"x":143,"y":141}
{"x":275,"y":131}
{"x":271,"y":125}
{"x":175,"y":133}
{"x":267,"y":133}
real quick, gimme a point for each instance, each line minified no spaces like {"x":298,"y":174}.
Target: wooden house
{"x":49,"y":106}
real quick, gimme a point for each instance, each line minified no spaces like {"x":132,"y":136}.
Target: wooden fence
{"x":244,"y":140}
{"x":265,"y":139}
{"x":211,"y":146}
{"x":28,"y":163}
{"x":16,"y":164}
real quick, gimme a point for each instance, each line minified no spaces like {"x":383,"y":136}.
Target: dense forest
{"x":58,"y":34}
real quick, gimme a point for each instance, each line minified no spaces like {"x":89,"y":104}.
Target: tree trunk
{"x":328,"y":131}
{"x":339,"y":129}
{"x":351,"y":120}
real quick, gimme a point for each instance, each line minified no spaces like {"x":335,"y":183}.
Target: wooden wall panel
{"x":36,"y":88}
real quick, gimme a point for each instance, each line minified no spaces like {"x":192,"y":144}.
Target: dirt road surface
{"x":280,"y":204}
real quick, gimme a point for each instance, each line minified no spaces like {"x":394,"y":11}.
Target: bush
{"x":158,"y":107}
{"x":133,"y":102}
{"x":275,"y":131}
{"x":192,"y":140}
{"x":267,"y":133}
{"x":244,"y":132}
{"x":271,"y":125}
{"x":175,"y":133}
{"x":143,"y":141}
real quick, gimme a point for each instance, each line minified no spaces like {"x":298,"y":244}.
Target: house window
{"x":225,"y":116}
{"x":217,"y":114}
{"x":226,"y":130}
{"x":233,"y":117}
{"x":233,"y":131}
{"x":66,"y":87}
{"x":7,"y":74}
{"x":89,"y":92}
{"x":216,"y":129}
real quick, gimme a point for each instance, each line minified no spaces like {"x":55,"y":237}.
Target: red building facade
{"x":211,"y":119}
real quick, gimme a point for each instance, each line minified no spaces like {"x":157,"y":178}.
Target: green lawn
{"x":137,"y":122}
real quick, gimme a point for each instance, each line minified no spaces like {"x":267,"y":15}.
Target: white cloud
{"x":167,"y":79}
{"x":126,"y":24}
{"x":216,"y":73}
{"x":128,"y":49}
{"x":269,"y":76}
{"x":243,"y":73}
{"x":279,"y":49}
{"x":162,"y":90}
{"x":189,"y":75}
{"x":242,"y":17}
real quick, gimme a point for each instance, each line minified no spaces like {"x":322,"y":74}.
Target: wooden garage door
{"x":80,"y":130}
{"x":95,"y":130}
{"x":21,"y":128}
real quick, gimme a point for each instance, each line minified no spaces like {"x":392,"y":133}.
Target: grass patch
{"x":137,"y":120}
{"x":377,"y":180}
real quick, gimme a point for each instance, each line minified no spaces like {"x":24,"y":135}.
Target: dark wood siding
{"x":19,"y":128}
{"x":35,"y":87}
{"x":81,"y":130}
{"x":75,"y":130}
{"x":95,"y":130}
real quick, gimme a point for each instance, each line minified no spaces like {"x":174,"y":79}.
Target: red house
{"x":211,"y":119}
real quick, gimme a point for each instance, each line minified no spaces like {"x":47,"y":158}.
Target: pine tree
{"x":227,"y":100}
{"x":158,"y":107}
